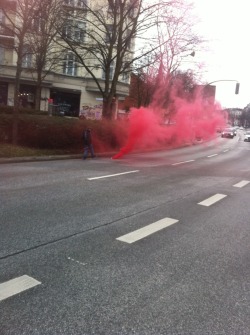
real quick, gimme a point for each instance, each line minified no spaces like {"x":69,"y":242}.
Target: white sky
{"x":225,"y":24}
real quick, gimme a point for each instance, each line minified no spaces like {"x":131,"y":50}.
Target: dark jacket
{"x":87,"y":140}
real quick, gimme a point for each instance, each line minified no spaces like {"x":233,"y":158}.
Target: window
{"x":38,"y":23}
{"x":1,"y":17}
{"x":27,"y":56}
{"x":128,"y":38}
{"x":2,"y":22}
{"x":69,"y":2}
{"x":125,"y":77}
{"x":77,"y":3}
{"x":67,"y":29}
{"x":70,"y":65}
{"x":109,"y":33}
{"x":111,"y":72}
{"x":110,"y":8}
{"x":1,"y":55}
{"x":75,"y":31}
{"x":79,"y":31}
{"x":81,"y":3}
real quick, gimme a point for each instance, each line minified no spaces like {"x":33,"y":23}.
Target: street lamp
{"x":237,"y":86}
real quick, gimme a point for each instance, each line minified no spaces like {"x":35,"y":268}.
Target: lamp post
{"x":237,"y":86}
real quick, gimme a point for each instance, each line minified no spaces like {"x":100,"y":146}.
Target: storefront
{"x":65,"y":102}
{"x":27,"y":96}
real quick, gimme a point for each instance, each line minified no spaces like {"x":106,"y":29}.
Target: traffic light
{"x":237,"y":88}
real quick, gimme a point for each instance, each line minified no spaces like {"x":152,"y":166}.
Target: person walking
{"x":87,"y":144}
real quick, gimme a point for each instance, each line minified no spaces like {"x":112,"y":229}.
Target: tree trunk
{"x":107,"y":109}
{"x":38,"y":97}
{"x":16,"y":106}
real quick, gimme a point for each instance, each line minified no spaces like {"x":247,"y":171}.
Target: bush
{"x":10,"y":110}
{"x":62,"y":133}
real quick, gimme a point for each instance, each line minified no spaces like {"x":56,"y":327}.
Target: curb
{"x":48,"y":158}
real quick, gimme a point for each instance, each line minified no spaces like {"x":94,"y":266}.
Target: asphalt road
{"x":154,"y":243}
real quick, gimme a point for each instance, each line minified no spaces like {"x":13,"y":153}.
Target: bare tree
{"x":18,"y":19}
{"x":177,"y":41}
{"x":106,"y":53}
{"x":47,"y":20}
{"x":160,"y":73}
{"x":33,"y":24}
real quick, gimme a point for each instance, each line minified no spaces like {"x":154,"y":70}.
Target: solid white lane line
{"x":212,"y":155}
{"x":242,"y":183}
{"x":183,"y":162}
{"x":17,"y":285}
{"x":210,"y":201}
{"x":113,"y":175}
{"x":147,"y":230}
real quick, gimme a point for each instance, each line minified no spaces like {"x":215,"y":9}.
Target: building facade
{"x":67,"y":86}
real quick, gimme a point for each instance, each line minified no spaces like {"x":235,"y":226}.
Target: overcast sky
{"x":225,"y":24}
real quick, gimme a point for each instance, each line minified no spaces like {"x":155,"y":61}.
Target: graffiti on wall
{"x":91,"y":113}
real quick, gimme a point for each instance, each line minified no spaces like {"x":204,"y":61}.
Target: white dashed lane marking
{"x":147,"y":230}
{"x":210,"y":201}
{"x":113,"y":175}
{"x":17,"y":285}
{"x":183,"y":162}
{"x":212,"y":155}
{"x":242,"y":183}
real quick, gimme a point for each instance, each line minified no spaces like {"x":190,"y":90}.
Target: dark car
{"x":228,"y":132}
{"x":235,"y":130}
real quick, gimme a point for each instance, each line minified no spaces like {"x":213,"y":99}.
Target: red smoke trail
{"x":192,"y":120}
{"x":143,"y":128}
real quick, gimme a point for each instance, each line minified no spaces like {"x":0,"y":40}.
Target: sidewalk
{"x":49,"y":158}
{"x":79,"y":156}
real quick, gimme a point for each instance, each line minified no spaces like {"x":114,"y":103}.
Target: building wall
{"x":77,"y":90}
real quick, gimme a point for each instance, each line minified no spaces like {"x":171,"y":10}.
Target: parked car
{"x":228,"y":132}
{"x":247,"y":136}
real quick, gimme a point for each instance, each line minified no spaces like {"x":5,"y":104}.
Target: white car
{"x":247,"y":136}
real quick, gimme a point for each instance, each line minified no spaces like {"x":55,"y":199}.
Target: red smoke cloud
{"x":192,"y":120}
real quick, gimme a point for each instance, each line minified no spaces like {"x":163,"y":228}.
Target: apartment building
{"x":68,"y":85}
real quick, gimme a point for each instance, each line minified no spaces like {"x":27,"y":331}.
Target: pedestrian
{"x":87,"y":144}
